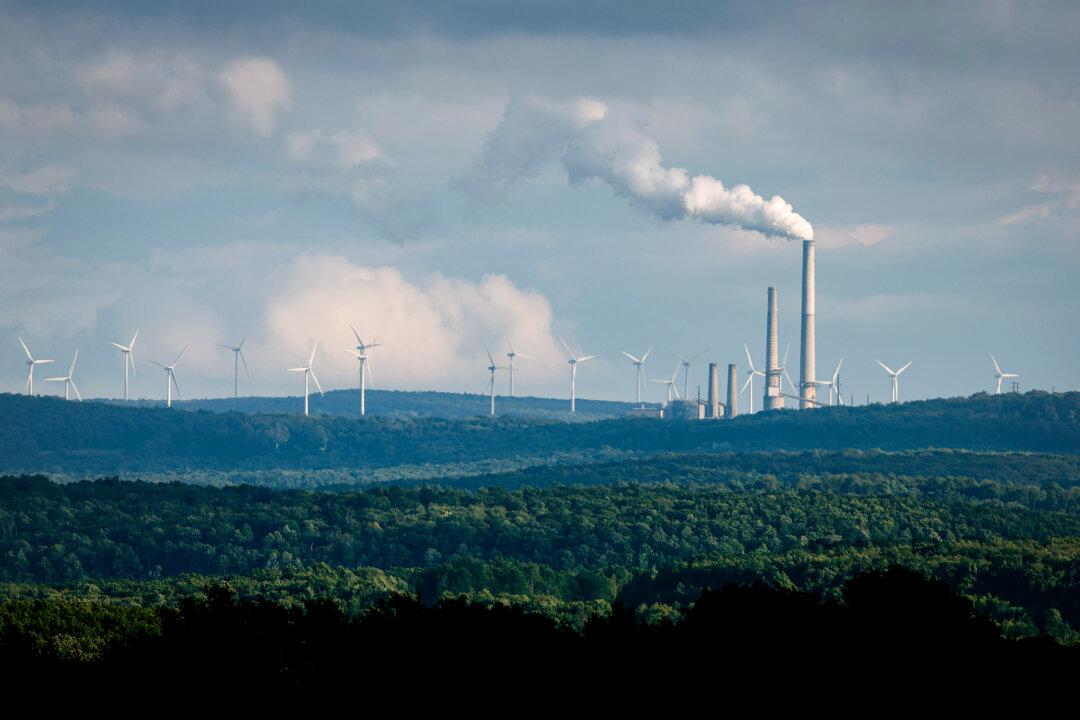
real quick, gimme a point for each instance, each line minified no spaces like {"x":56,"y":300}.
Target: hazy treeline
{"x":566,"y":550}
{"x":50,"y":435}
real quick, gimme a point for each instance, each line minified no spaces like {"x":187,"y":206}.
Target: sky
{"x":621,"y":175}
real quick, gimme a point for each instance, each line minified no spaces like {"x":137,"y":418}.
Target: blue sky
{"x":442,"y":178}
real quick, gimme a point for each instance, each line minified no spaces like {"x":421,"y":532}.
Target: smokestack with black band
{"x":772,"y":399}
{"x":807,"y":364}
{"x":732,"y":407}
{"x":713,"y":408}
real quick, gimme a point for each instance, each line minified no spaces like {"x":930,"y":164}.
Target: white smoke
{"x":593,"y":141}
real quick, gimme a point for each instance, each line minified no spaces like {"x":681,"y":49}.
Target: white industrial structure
{"x":639,"y":371}
{"x":127,"y":352}
{"x":309,"y":372}
{"x":360,"y":353}
{"x":511,"y":355}
{"x":69,"y":384}
{"x":574,"y":360}
{"x":807,"y":360}
{"x":686,"y":370}
{"x":170,"y":378}
{"x":672,"y":386}
{"x":492,"y":367}
{"x":833,"y":384}
{"x":32,"y":363}
{"x":750,"y":377}
{"x":1000,"y":374}
{"x":238,"y":357}
{"x":894,"y":375}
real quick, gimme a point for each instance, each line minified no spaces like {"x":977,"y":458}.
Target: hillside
{"x":39,"y":434}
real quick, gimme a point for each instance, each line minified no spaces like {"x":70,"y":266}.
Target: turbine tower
{"x":513,"y":354}
{"x":574,"y":360}
{"x":69,"y":384}
{"x":491,"y":381}
{"x":309,"y":372}
{"x":639,"y":364}
{"x":360,"y":353}
{"x":170,"y":379}
{"x":833,"y":384}
{"x":32,"y":363}
{"x":127,"y":352}
{"x":238,"y":357}
{"x":750,"y":377}
{"x":1000,"y":375}
{"x":672,"y":385}
{"x":895,"y":376}
{"x":686,"y":369}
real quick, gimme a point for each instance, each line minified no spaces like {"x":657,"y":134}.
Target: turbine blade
{"x":488,"y":353}
{"x":370,"y":377}
{"x":630,"y":356}
{"x":178,"y":356}
{"x":748,"y":358}
{"x":994,"y":360}
{"x":904,"y":368}
{"x":133,"y":339}
{"x":311,"y":360}
{"x":26,"y":350}
{"x":699,"y":354}
{"x":747,"y":383}
{"x":567,"y":349}
{"x":242,"y":341}
{"x":353,"y":352}
{"x":788,"y":350}
{"x":303,"y":369}
{"x":884,"y":366}
{"x":172,"y":376}
{"x":587,"y":357}
{"x":358,"y":340}
{"x":313,"y":377}
{"x":154,"y":362}
{"x":646,"y":355}
{"x":242,"y":360}
{"x":118,"y":346}
{"x":511,"y":344}
{"x":75,"y":388}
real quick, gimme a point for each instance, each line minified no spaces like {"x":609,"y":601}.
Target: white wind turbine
{"x":750,"y":377}
{"x":513,"y":354}
{"x":238,"y":357}
{"x":360,"y":353}
{"x":1000,"y":375}
{"x":127,"y":352}
{"x":170,"y":378}
{"x":309,"y":372}
{"x":639,"y":364}
{"x":672,"y":385}
{"x":491,"y":380}
{"x":32,"y":363}
{"x":686,"y":369}
{"x":895,"y":376}
{"x":574,"y":360}
{"x":833,"y":384}
{"x":69,"y":384}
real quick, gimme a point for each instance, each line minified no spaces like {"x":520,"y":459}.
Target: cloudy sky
{"x":620,"y":174}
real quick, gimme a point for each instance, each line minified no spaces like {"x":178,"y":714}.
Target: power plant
{"x":808,"y":350}
{"x":772,"y":399}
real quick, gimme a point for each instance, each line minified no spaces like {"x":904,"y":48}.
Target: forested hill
{"x":39,"y":434}
{"x":401,"y":403}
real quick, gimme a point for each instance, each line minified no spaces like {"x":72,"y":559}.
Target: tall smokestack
{"x":732,"y":407}
{"x":807,"y":363}
{"x":772,"y":400}
{"x":713,"y":408}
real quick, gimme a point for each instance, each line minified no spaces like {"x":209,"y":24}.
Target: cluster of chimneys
{"x":773,"y":395}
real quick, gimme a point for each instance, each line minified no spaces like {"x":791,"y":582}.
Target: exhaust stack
{"x":712,"y":410}
{"x":772,"y":400}
{"x":807,"y":363}
{"x":732,"y":407}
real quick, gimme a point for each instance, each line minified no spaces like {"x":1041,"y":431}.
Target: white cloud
{"x":343,"y":150}
{"x":46,"y":180}
{"x":855,"y":235}
{"x":257,"y":89}
{"x":595,"y":142}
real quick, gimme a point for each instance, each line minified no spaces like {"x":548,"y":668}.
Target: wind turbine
{"x":69,"y":384}
{"x":30,"y":361}
{"x":170,"y":378}
{"x":686,"y":369}
{"x":491,"y":381}
{"x":750,"y":377}
{"x":895,"y":376}
{"x":672,"y":386}
{"x":783,"y":371}
{"x":639,"y":363}
{"x":360,"y":353}
{"x":999,"y":374}
{"x":833,"y":384}
{"x":574,"y":360}
{"x":513,"y":354}
{"x":238,"y":357}
{"x":308,"y":373}
{"x":127,"y":351}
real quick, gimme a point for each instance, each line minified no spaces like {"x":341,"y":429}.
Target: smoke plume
{"x":593,"y":141}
